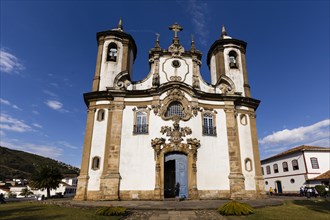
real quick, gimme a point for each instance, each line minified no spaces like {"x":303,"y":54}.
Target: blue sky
{"x":48,"y":55}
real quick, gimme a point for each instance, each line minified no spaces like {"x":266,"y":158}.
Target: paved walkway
{"x":171,"y":210}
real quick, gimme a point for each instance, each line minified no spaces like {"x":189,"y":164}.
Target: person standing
{"x":271,"y":191}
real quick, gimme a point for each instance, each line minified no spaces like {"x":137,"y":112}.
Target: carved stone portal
{"x":175,"y":144}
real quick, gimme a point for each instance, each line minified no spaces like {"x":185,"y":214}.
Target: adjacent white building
{"x":300,"y":166}
{"x":171,"y":127}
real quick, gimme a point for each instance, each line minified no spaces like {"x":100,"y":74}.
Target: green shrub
{"x":112,"y":210}
{"x":235,"y":208}
{"x":321,"y":190}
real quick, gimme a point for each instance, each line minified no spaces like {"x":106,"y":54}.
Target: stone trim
{"x":213,"y":194}
{"x":110,"y":179}
{"x":83,"y":178}
{"x":245,"y":77}
{"x":236,"y":178}
{"x":259,"y":180}
{"x":96,"y":81}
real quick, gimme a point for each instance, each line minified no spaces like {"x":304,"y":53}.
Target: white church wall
{"x":213,"y":70}
{"x":97,"y":150}
{"x":109,"y":69}
{"x":136,"y":157}
{"x":246,"y":149}
{"x":212,"y":171}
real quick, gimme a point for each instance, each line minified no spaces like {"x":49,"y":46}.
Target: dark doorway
{"x":279,"y":187}
{"x":169,"y":180}
{"x":175,"y":170}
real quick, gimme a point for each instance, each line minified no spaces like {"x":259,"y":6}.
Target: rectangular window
{"x":295,"y":165}
{"x":275,"y":168}
{"x":268,"y":169}
{"x":208,"y":125}
{"x":315,"y":163}
{"x":262,"y":171}
{"x":285,"y":167}
{"x":141,"y":126}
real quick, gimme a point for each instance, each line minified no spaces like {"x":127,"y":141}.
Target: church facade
{"x":172,"y":128}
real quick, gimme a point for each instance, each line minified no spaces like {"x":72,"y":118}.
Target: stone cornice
{"x":110,"y":94}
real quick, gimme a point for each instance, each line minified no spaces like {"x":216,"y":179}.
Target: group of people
{"x":271,"y":191}
{"x":308,"y":192}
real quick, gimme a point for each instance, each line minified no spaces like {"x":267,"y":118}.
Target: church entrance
{"x":175,"y":171}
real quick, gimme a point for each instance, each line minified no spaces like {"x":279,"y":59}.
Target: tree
{"x":26,"y":192}
{"x":46,"y":177}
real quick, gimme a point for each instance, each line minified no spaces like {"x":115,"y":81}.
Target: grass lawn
{"x":292,"y":210}
{"x":38,"y":211}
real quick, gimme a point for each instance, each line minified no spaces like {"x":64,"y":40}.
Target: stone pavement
{"x":171,"y":209}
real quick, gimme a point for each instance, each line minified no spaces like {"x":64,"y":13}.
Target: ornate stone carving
{"x":176,"y":133}
{"x":226,"y":89}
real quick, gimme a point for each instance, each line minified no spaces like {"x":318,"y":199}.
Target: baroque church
{"x":143,"y":138}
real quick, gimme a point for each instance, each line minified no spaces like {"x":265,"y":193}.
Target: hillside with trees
{"x":16,"y":164}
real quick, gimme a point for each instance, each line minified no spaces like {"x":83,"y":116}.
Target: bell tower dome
{"x":116,"y":54}
{"x":226,"y":57}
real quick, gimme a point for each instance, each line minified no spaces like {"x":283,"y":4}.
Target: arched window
{"x":295,"y":165}
{"x":96,"y":163}
{"x":141,"y":126}
{"x":112,"y":52}
{"x":275,"y":166}
{"x":285,"y":167}
{"x":175,"y":108}
{"x":100,"y":115}
{"x":232,"y":59}
{"x":268,"y":169}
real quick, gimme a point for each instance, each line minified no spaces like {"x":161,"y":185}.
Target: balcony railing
{"x":140,"y":129}
{"x":208,"y":130}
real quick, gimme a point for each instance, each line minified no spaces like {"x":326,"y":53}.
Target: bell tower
{"x":115,"y":57}
{"x":226,"y":57}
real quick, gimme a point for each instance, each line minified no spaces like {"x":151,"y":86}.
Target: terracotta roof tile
{"x":323,"y":176}
{"x":297,"y":149}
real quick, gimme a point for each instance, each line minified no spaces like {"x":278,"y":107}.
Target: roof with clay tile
{"x":297,"y":149}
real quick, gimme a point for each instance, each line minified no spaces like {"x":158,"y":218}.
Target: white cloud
{"x":37,"y":125}
{"x":12,"y":124}
{"x":56,"y":105}
{"x":316,"y":134}
{"x":9,"y":63}
{"x":6,"y":102}
{"x":66,"y":144}
{"x":198,"y":11}
{"x":47,"y":92}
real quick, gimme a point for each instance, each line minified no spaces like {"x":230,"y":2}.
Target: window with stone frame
{"x":141,"y":122}
{"x":209,"y":127}
{"x":248,"y":164}
{"x":112,"y":52}
{"x":285,"y":167}
{"x":96,"y":163}
{"x":315,"y":163}
{"x":100,"y":115}
{"x":243,"y":119}
{"x":175,"y":108}
{"x":268,"y":169}
{"x":295,"y":165}
{"x":275,"y":166}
